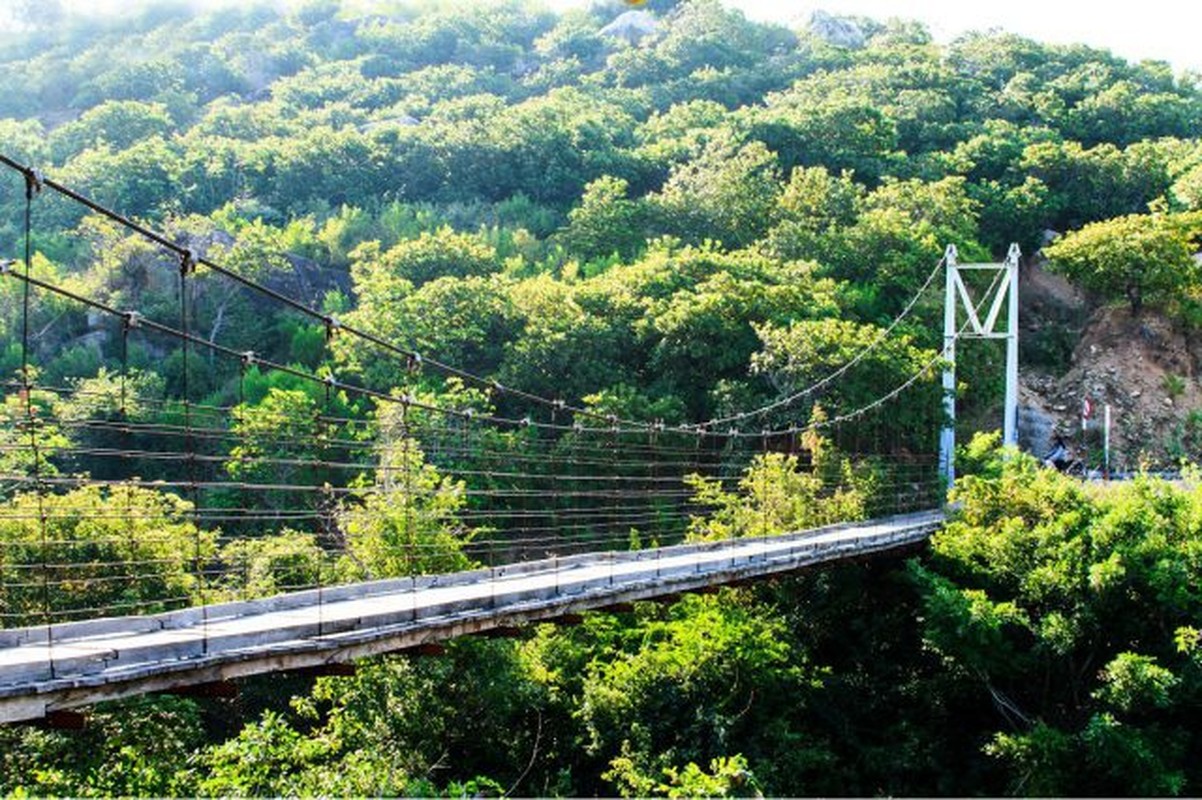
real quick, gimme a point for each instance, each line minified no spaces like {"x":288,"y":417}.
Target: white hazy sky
{"x":1169,"y":30}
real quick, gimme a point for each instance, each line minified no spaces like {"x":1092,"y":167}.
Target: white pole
{"x":947,"y":436}
{"x":1106,"y":442}
{"x":1010,"y":424}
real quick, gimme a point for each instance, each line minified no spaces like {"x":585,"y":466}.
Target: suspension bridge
{"x":337,"y":519}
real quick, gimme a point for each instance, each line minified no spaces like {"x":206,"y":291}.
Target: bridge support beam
{"x":63,"y":720}
{"x":947,"y":436}
{"x":957,"y":298}
{"x":1010,"y":422}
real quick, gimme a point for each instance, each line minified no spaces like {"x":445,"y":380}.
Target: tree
{"x":805,"y":352}
{"x":142,"y":179}
{"x":709,"y":675}
{"x":560,"y":350}
{"x":283,"y":426}
{"x":30,"y":438}
{"x":91,"y":417}
{"x":406,"y":523}
{"x":266,"y":565}
{"x":1088,"y":185}
{"x":943,"y":207}
{"x":606,"y":221}
{"x":816,"y":199}
{"x":817,"y":125}
{"x":727,"y":194}
{"x":466,"y":322}
{"x":1039,"y":575}
{"x":708,"y":331}
{"x":441,"y":254}
{"x":122,"y":550}
{"x":1141,"y":257}
{"x":115,"y":123}
{"x":1187,"y":190}
{"x":325,"y":165}
{"x":777,"y":494}
{"x":130,"y":748}
{"x":400,"y":726}
{"x":549,"y":148}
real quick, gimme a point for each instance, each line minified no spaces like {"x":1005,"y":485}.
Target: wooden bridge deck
{"x":49,"y":668}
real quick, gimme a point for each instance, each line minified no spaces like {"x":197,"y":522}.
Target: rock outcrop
{"x":839,"y":31}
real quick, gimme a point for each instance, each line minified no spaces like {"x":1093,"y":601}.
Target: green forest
{"x":668,"y":223}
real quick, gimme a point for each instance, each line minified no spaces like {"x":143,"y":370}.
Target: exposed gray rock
{"x":95,"y":340}
{"x":1035,"y":429}
{"x":631,"y":27}
{"x":838,"y":31}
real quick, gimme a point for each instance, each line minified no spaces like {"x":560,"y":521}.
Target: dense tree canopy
{"x":698,"y":216}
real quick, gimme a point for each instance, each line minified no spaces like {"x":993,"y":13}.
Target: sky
{"x":1168,"y":30}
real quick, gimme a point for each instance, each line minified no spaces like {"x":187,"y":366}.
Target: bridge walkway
{"x":49,"y":668}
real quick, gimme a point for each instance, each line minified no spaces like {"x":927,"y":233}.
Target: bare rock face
{"x":838,"y":31}
{"x":1036,"y":428}
{"x":1143,"y":367}
{"x":631,"y":27}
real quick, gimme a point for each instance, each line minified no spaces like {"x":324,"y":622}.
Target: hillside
{"x":441,"y":284}
{"x":1144,"y":366}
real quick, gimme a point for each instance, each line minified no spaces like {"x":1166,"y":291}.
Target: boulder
{"x":631,"y":27}
{"x":839,"y":31}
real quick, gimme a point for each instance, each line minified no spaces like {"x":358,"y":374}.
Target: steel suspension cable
{"x":411,"y":356}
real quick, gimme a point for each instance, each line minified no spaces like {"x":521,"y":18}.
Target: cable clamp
{"x":331,"y":381}
{"x":132,"y":320}
{"x":249,"y":358}
{"x":332,"y":326}
{"x":33,"y":182}
{"x":526,"y":422}
{"x":560,"y":405}
{"x":7,"y":265}
{"x":187,"y":261}
{"x":469,"y":413}
{"x":407,"y":399}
